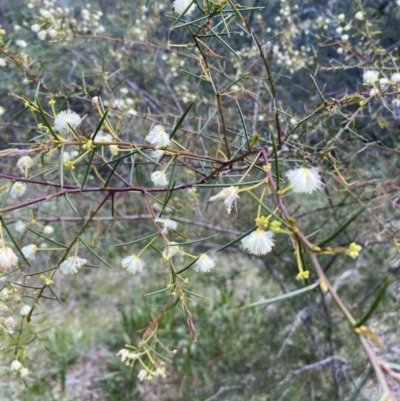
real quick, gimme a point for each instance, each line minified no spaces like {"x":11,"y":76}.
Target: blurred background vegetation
{"x":146,"y":71}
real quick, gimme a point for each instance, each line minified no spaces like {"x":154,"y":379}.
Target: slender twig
{"x":270,"y":80}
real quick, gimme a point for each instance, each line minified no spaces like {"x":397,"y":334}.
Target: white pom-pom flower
{"x":65,"y":120}
{"x":359,"y":15}
{"x":48,"y":230}
{"x":19,"y":226}
{"x":204,"y":264}
{"x":7,"y":258}
{"x":72,"y":264}
{"x":101,"y":137}
{"x":133,"y":264}
{"x":158,"y":137}
{"x":304,"y":180}
{"x":16,"y":365}
{"x":24,"y":163}
{"x":25,"y":309}
{"x":167,"y":224}
{"x":228,"y":195}
{"x":29,"y":251}
{"x":374,"y":92}
{"x":395,"y":77}
{"x":181,"y":5}
{"x":259,"y":242}
{"x":159,"y":179}
{"x":170,"y":251}
{"x":157,"y":155}
{"x":18,"y":190}
{"x":370,"y":76}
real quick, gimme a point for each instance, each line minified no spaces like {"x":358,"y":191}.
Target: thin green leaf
{"x":170,"y":189}
{"x":342,"y":228}
{"x":95,"y":253}
{"x":243,"y":124}
{"x":41,"y":272}
{"x":135,"y":241}
{"x":58,"y":298}
{"x":188,"y":266}
{"x":99,"y":125}
{"x":362,"y":383}
{"x":157,"y":292}
{"x":44,"y":117}
{"x":196,"y":241}
{"x":196,"y":295}
{"x":122,"y":157}
{"x":161,"y":203}
{"x":316,"y":87}
{"x":376,"y":302}
{"x":14,"y":242}
{"x":62,"y":167}
{"x":89,"y":166}
{"x":148,"y":157}
{"x":70,"y":203}
{"x":24,"y":285}
{"x":7,"y":195}
{"x":18,"y":113}
{"x":193,"y":22}
{"x":180,"y":121}
{"x":276,"y":161}
{"x":46,"y":238}
{"x":191,"y":73}
{"x":224,"y":43}
{"x":111,"y":174}
{"x":237,"y":239}
{"x":65,"y":100}
{"x":283,"y":296}
{"x":232,"y":184}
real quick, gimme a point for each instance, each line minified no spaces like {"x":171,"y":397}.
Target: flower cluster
{"x":60,"y":23}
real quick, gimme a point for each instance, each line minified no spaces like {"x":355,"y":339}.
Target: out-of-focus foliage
{"x":246,"y":92}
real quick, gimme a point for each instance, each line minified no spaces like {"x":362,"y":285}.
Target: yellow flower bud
{"x":353,"y":250}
